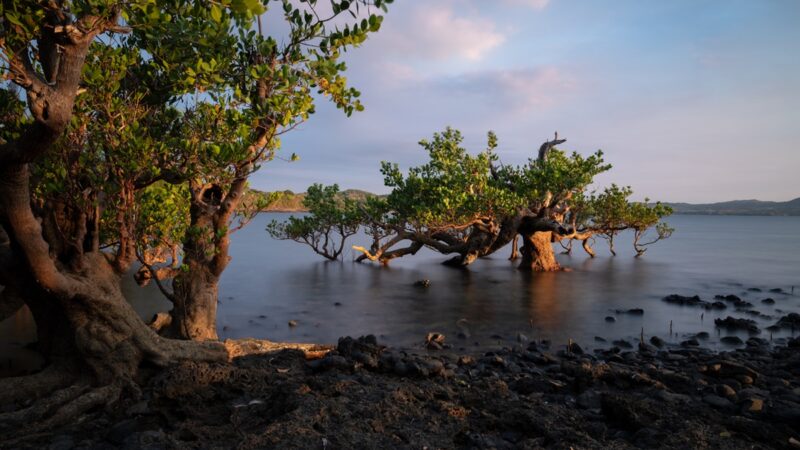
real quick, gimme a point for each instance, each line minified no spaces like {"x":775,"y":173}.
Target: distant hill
{"x":293,"y":202}
{"x":289,"y":201}
{"x":741,"y":208}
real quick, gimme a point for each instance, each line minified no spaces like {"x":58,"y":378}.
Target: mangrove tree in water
{"x":470,"y":206}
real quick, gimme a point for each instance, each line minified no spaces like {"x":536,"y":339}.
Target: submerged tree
{"x":471,"y":206}
{"x":332,"y":218}
{"x":124,"y":113}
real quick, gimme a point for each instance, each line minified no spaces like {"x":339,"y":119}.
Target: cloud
{"x":534,"y":4}
{"x":439,"y":33}
{"x":518,"y":90}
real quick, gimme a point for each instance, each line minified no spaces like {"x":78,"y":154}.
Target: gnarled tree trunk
{"x":537,"y":244}
{"x":537,"y":252}
{"x":194,"y":311}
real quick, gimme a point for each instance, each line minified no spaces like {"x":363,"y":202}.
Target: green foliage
{"x":195,"y":96}
{"x":452,"y":190}
{"x":459,"y":203}
{"x":162,"y":215}
{"x":331,"y":219}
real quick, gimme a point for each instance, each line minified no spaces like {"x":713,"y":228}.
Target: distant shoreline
{"x":293,"y":202}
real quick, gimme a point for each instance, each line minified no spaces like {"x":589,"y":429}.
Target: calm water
{"x":270,"y":282}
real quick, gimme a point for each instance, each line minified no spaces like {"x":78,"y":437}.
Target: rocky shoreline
{"x":363,"y":395}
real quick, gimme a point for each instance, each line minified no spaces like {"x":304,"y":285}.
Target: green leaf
{"x":216,"y":13}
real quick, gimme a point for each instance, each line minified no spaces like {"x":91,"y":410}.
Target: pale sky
{"x":693,"y":100}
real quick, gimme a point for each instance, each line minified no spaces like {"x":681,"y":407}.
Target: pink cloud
{"x":439,"y":33}
{"x":534,"y":4}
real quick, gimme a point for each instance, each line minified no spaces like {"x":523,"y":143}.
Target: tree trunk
{"x":194,"y":313}
{"x":537,"y":252}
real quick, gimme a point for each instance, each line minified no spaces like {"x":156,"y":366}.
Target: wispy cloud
{"x":534,"y":4}
{"x":517,"y":90}
{"x":440,"y":33}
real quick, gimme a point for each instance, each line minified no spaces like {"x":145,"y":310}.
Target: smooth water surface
{"x":271,"y":282}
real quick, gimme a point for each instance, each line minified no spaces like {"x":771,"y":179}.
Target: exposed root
{"x":12,"y":421}
{"x":246,"y":347}
{"x":63,"y":407}
{"x":32,"y":387}
{"x":160,"y":322}
{"x":67,"y":413}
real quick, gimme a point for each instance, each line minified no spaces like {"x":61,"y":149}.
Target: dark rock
{"x":726,"y":391}
{"x":62,"y":442}
{"x":632,"y":311}
{"x":718,"y":402}
{"x":433,"y":345}
{"x":718,"y":305}
{"x":466,"y":360}
{"x":434,"y":367}
{"x":791,"y":320}
{"x":337,"y":304}
{"x":622,"y":343}
{"x":122,"y":430}
{"x":788,"y":414}
{"x":768,"y":301}
{"x":292,"y":323}
{"x":692,"y":342}
{"x":753,"y":289}
{"x":422,"y":283}
{"x":521,"y":338}
{"x":694,"y":300}
{"x":625,"y":412}
{"x":702,"y":335}
{"x":737,"y":302}
{"x":139,"y":408}
{"x":589,"y":399}
{"x":757,"y":342}
{"x":731,"y":323}
{"x":776,"y":290}
{"x":330,"y":362}
{"x":610,"y":319}
{"x":732,"y":340}
{"x":657,"y":341}
{"x":599,"y":339}
{"x":574,"y":348}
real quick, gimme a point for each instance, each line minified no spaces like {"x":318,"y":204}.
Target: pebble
{"x":717,"y":401}
{"x":726,"y":391}
{"x":754,"y":405}
{"x":610,"y":319}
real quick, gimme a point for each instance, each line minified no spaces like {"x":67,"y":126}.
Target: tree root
{"x":246,"y":347}
{"x":63,"y":407}
{"x":32,"y":387}
{"x":34,"y":413}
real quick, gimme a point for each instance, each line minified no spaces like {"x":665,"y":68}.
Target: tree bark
{"x":194,"y":311}
{"x":537,"y":244}
{"x":537,"y":252}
